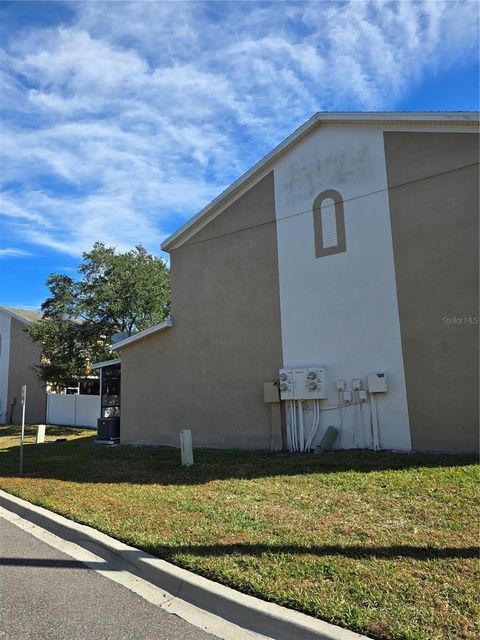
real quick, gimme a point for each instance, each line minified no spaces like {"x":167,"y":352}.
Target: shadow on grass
{"x":79,"y":460}
{"x":52,"y":430}
{"x":355,"y":552}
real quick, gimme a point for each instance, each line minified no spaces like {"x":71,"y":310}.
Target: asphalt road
{"x":47,"y":595}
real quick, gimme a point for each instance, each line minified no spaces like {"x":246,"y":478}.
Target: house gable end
{"x":252,"y":208}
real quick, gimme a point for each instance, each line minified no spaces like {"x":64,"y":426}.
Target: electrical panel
{"x":377,"y":382}
{"x":303,"y":383}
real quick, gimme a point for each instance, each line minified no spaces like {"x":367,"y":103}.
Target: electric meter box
{"x":303,"y":383}
{"x":318,"y":375}
{"x":285,"y":377}
{"x":377,"y":382}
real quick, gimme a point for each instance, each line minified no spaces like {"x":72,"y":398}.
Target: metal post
{"x":101,"y":393}
{"x":22,"y":436}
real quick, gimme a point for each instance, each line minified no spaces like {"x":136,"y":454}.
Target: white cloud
{"x":127,"y":119}
{"x":78,"y":61}
{"x":10,"y":209}
{"x":14,"y":253}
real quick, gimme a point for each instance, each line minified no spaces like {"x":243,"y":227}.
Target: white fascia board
{"x":458,"y":117}
{"x":143,"y":334}
{"x":215,"y":207}
{"x":105,"y":363}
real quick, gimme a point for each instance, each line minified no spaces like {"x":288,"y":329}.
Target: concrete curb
{"x":243,"y":610}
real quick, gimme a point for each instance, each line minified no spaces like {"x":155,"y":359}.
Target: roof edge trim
{"x":105,"y":363}
{"x":180,"y":236}
{"x":14,"y":315}
{"x":143,"y":334}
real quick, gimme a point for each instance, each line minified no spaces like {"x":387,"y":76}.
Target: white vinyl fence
{"x":73,"y":410}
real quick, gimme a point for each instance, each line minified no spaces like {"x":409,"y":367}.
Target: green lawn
{"x":383,"y":544}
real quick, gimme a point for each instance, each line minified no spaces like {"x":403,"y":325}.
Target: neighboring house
{"x":18,"y":353}
{"x":352,"y":246}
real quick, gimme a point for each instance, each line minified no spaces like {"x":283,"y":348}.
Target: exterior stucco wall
{"x":23,"y":354}
{"x":341,"y":310}
{"x":252,"y":293}
{"x":435,"y":238}
{"x":206,"y":373}
{"x":5,"y":321}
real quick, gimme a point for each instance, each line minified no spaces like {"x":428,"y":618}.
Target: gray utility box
{"x":108,"y":428}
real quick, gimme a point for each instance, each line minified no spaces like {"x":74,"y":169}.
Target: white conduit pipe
{"x":316,"y":424}
{"x":289,"y":425}
{"x":295,"y":427}
{"x":310,"y":435}
{"x":292,"y":428}
{"x":376,"y":438}
{"x":301,"y":427}
{"x":318,"y":419}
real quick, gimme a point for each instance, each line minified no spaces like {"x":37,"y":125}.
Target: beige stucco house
{"x":18,"y":353}
{"x":341,"y":270}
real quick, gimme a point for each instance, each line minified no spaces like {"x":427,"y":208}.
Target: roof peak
{"x":425,"y":118}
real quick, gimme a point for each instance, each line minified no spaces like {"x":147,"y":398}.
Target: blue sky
{"x":121,"y":120}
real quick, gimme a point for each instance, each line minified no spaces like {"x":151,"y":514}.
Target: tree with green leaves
{"x":116,"y":292}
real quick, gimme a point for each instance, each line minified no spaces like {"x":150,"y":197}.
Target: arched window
{"x":329,"y":224}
